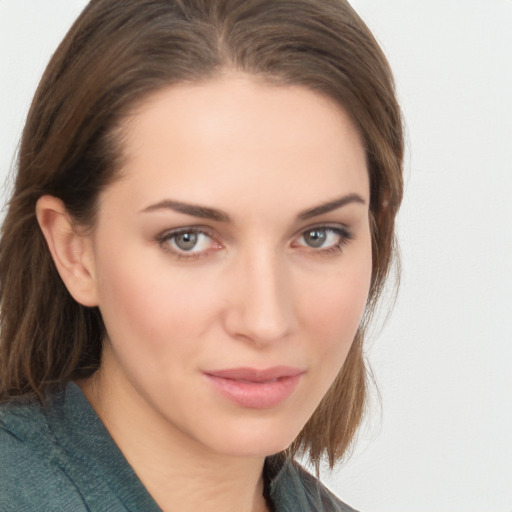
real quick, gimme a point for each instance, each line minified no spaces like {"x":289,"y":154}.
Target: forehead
{"x":235,"y":136}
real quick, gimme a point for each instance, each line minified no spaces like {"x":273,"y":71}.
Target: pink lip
{"x":256,"y":389}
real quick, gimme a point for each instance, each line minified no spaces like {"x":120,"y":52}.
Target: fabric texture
{"x":62,"y":458}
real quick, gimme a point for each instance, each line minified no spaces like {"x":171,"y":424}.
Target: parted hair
{"x":117,"y":53}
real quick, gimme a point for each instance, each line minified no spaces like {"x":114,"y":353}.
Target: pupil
{"x":186,"y":241}
{"x":315,"y":238}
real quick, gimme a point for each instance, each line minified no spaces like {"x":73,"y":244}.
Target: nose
{"x":260,"y":306}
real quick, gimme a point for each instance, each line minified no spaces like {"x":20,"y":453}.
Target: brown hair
{"x":115,"y":55}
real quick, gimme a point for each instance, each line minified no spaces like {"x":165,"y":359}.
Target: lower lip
{"x":256,"y":395}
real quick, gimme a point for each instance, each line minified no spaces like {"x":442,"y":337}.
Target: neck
{"x":177,"y":472}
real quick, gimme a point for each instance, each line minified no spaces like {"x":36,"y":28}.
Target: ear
{"x":71,"y":251}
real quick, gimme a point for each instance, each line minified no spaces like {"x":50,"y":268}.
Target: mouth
{"x":253,"y":388}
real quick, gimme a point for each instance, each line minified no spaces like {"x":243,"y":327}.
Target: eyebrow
{"x":204,"y":212}
{"x":189,"y":209}
{"x":330,"y":206}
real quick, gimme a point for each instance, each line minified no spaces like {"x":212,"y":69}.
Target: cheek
{"x":145,"y":302}
{"x":330,"y":315}
{"x":334,"y":308}
{"x":334,"y":314}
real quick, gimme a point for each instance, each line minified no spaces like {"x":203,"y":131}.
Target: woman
{"x":201,"y":225}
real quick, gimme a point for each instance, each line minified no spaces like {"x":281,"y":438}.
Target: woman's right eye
{"x":187,"y":243}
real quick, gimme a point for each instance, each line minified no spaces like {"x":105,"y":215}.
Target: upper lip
{"x":256,"y":375}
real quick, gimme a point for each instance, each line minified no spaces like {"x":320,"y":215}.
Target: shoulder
{"x":23,"y":434}
{"x":30,"y":473}
{"x":293,"y":489}
{"x":61,"y":457}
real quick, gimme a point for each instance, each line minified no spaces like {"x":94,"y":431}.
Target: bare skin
{"x":237,"y":237}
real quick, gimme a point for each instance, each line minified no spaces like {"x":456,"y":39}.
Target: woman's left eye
{"x":187,"y":242}
{"x":324,"y":239}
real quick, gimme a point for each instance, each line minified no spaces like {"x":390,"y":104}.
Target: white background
{"x":442,"y":439}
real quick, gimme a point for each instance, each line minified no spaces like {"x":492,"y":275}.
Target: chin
{"x":258,"y":439}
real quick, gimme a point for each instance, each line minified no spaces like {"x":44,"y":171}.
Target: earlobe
{"x":70,"y":250}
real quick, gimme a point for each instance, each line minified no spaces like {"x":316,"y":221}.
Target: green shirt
{"x":62,"y":458}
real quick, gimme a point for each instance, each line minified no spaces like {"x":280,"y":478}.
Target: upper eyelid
{"x":336,"y":227}
{"x":186,"y":229}
{"x":342,"y":231}
{"x":325,"y":225}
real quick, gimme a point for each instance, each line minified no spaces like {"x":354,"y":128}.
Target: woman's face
{"x":231,"y":262}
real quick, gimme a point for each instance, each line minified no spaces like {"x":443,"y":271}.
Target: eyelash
{"x":345,"y":237}
{"x":163,"y":240}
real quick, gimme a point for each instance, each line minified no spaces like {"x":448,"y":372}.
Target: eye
{"x":316,"y":237}
{"x":324,"y":238}
{"x":188,"y":242}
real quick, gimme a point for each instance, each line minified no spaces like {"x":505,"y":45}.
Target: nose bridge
{"x":262,"y":310}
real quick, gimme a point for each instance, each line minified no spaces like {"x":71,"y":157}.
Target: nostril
{"x":259,"y":303}
{"x":260,"y":318}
